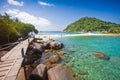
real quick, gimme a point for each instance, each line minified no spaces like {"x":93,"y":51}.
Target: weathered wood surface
{"x":11,"y":62}
{"x":59,"y":73}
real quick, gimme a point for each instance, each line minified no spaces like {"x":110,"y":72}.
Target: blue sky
{"x":54,"y":15}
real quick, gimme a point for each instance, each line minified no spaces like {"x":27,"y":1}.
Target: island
{"x":91,"y":24}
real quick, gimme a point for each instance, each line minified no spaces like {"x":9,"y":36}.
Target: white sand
{"x":46,"y":37}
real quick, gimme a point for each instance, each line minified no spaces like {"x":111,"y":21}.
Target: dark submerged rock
{"x":101,"y":55}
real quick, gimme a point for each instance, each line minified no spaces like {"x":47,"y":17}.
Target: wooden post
{"x":29,"y":40}
{"x":22,"y":51}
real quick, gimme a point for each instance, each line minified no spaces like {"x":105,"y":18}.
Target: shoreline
{"x":72,"y":35}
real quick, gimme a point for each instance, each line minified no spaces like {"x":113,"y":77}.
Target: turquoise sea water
{"x":79,"y":55}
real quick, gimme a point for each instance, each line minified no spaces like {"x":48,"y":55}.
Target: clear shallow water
{"x":79,"y":53}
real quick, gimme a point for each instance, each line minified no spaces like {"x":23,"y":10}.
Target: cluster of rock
{"x":44,"y":57}
{"x":58,"y":72}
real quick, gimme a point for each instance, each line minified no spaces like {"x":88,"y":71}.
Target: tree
{"x":10,"y":29}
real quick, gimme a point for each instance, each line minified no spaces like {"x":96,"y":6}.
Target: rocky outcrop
{"x":36,"y":47}
{"x":47,"y":55}
{"x":101,"y":55}
{"x":56,"y":45}
{"x":59,"y":73}
{"x":46,"y":45}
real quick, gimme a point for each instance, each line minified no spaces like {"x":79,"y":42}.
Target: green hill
{"x":90,"y":24}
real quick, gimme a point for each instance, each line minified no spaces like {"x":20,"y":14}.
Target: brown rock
{"x":37,"y":47}
{"x":54,"y":59}
{"x":53,"y":65}
{"x":39,"y":72}
{"x":56,"y":45}
{"x":59,"y":73}
{"x":61,"y":52}
{"x":48,"y":64}
{"x":100,"y":55}
{"x":62,"y":57}
{"x":46,"y":45}
{"x":70,"y":70}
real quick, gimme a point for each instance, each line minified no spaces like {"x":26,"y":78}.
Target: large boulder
{"x":56,"y":45}
{"x":39,"y":73}
{"x":101,"y":55}
{"x":59,"y":73}
{"x":37,"y":47}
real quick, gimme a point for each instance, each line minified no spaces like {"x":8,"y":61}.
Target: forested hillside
{"x":10,"y":29}
{"x":89,"y":24}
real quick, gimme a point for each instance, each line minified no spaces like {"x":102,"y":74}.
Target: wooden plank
{"x":10,"y":52}
{"x":6,"y":62}
{"x":2,"y":73}
{"x":14,"y":70}
{"x":1,"y":77}
{"x":5,"y":65}
{"x":10,"y":78}
{"x":4,"y":68}
{"x":15,"y":58}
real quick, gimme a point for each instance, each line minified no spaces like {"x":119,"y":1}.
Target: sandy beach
{"x":69,"y":35}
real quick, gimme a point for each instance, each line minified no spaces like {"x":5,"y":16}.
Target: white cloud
{"x":39,"y":22}
{"x":16,"y":3}
{"x":45,"y":4}
{"x":12,"y":12}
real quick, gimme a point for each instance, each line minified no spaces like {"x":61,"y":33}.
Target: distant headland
{"x":91,"y":24}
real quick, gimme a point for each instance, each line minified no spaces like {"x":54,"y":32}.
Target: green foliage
{"x":87,"y":24}
{"x":114,"y":30}
{"x":10,"y":29}
{"x":7,"y":33}
{"x":28,"y":28}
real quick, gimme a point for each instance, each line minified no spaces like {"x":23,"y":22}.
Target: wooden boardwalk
{"x":12,"y":61}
